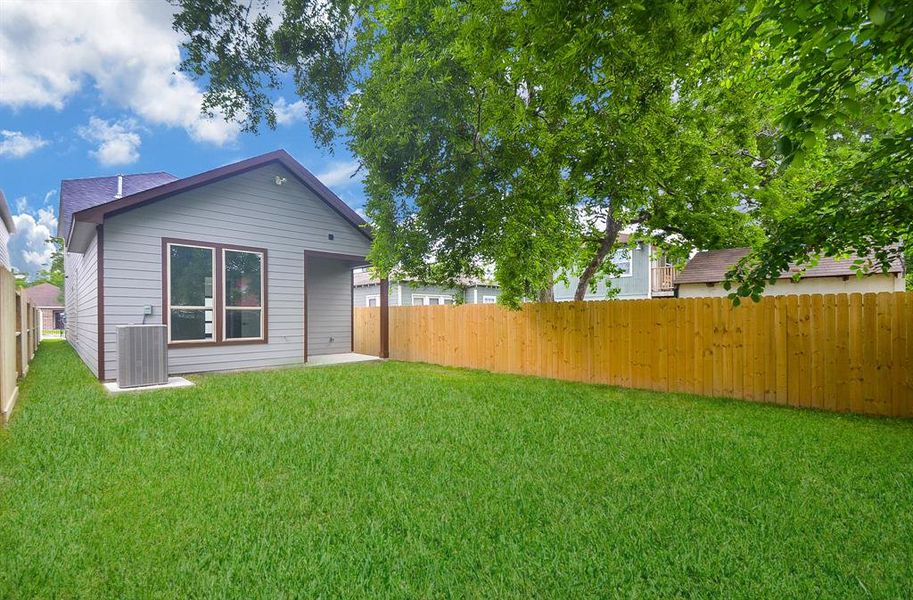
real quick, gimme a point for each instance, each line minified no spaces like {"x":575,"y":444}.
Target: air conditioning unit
{"x":142,"y":355}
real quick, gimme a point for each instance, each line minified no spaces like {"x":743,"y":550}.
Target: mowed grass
{"x":408,"y":480}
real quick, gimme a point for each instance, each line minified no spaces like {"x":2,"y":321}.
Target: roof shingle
{"x":80,"y":194}
{"x":43,"y":295}
{"x":711,"y":266}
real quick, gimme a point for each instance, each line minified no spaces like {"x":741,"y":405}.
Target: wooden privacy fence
{"x":19,"y":335}
{"x":841,"y":352}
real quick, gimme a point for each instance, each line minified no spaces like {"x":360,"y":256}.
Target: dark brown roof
{"x":44,"y":295}
{"x":711,"y":266}
{"x":5,"y":215}
{"x":97,"y":214}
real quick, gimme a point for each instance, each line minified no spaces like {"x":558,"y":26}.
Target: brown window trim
{"x":218,"y":292}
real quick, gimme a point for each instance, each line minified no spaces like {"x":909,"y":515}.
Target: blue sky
{"x":91,"y":88}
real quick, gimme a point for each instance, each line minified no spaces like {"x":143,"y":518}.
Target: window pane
{"x":242,"y":324}
{"x":622,"y":260}
{"x":191,"y":276}
{"x":190,"y":325}
{"x":242,"y":278}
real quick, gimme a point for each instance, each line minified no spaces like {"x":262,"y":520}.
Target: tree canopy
{"x":527,"y":135}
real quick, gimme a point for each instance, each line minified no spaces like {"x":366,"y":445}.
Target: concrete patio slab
{"x":173,"y":382}
{"x":323,"y":360}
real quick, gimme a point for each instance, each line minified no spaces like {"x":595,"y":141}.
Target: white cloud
{"x":22,"y":204}
{"x":29,"y":248}
{"x":286,"y":113}
{"x":118,"y":142}
{"x":16,"y":144}
{"x":340,"y":173}
{"x":127,"y":50}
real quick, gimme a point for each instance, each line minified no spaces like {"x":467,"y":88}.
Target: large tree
{"x":522,"y":135}
{"x":841,"y":67}
{"x":527,"y":135}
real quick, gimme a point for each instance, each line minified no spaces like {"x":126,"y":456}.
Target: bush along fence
{"x":19,"y":335}
{"x":839,"y":352}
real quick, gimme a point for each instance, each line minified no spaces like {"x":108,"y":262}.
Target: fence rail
{"x":840,"y":352}
{"x":20,"y":327}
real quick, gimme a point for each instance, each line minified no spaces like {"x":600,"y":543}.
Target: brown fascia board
{"x":97,"y":214}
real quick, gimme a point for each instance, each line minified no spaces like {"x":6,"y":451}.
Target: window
{"x":431,"y":299}
{"x":243,"y":289}
{"x":622,"y":260}
{"x":372,"y":300}
{"x":489,"y":299}
{"x":191,"y":273}
{"x":214,"y":293}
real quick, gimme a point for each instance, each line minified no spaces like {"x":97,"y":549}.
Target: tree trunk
{"x":605,"y":246}
{"x":547,"y":294}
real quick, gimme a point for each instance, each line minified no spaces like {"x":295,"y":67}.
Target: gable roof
{"x":711,"y":266}
{"x":43,"y":295}
{"x":80,"y":194}
{"x":96,"y":214}
{"x":5,"y":215}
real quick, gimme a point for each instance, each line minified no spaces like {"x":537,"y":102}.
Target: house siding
{"x":405,"y":291}
{"x":431,"y":290}
{"x":247,"y":210}
{"x":329,"y":313}
{"x":635,"y":286}
{"x":881,"y":282}
{"x":81,"y":302}
{"x":475,"y":293}
{"x":4,"y":251}
{"x":360,"y":294}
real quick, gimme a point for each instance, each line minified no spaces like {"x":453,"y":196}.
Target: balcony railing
{"x":661,"y":280}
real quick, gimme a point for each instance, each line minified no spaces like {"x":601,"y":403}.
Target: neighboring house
{"x":249,"y":265}
{"x":644,"y":274}
{"x":7,"y":228}
{"x":46,"y":297}
{"x":366,"y":292}
{"x":704,"y":273}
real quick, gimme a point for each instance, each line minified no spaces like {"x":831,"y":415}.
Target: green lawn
{"x":407,"y":480}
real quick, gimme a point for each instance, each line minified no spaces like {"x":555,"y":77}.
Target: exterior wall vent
{"x":142,"y":355}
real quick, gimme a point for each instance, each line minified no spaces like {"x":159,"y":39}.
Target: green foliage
{"x":527,"y":135}
{"x":53,"y":272}
{"x":841,"y":66}
{"x":413,"y":481}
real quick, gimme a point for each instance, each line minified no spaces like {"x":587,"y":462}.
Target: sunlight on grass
{"x":396,"y":479}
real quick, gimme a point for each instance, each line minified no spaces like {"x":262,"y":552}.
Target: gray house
{"x":7,"y":228}
{"x":249,"y":265}
{"x":644,"y":274}
{"x":405,"y":292}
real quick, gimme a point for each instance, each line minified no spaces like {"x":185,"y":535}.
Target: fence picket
{"x":843,"y":352}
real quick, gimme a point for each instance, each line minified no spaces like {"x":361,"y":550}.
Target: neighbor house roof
{"x":80,"y":194}
{"x":5,"y":214}
{"x":711,"y":266}
{"x":96,"y":213}
{"x":360,"y":278}
{"x":44,"y":295}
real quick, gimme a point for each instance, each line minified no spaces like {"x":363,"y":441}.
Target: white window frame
{"x":170,"y":307}
{"x":226,"y":308}
{"x":630,"y":270}
{"x":489,"y":299}
{"x":369,"y":297}
{"x":424,"y":299}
